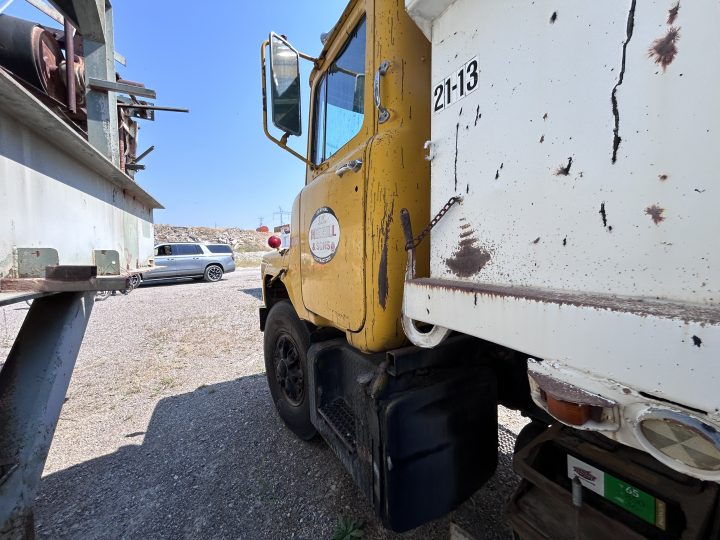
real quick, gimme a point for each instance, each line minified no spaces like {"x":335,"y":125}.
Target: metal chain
{"x":415,"y":242}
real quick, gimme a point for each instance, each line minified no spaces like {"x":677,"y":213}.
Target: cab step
{"x":341,"y":420}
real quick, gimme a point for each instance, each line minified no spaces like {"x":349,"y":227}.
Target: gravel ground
{"x":168,"y":431}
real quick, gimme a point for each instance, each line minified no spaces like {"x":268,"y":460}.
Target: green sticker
{"x":634,"y":500}
{"x":630,"y":498}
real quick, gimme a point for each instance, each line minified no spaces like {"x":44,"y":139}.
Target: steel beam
{"x":33,"y":384}
{"x":102,"y":105}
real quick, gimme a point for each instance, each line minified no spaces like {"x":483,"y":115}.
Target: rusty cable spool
{"x":33,"y":54}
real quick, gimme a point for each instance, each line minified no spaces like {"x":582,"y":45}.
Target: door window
{"x":163,"y":251}
{"x":186,"y":249}
{"x":339,"y":107}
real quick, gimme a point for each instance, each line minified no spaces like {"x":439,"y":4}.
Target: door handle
{"x":383,"y":113}
{"x":353,"y":166}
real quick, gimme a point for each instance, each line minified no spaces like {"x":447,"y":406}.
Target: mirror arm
{"x":308,"y":57}
{"x":282,"y":143}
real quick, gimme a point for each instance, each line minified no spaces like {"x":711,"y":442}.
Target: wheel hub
{"x":288,"y":370}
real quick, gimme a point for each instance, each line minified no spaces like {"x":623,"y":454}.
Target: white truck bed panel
{"x":554,"y":81}
{"x":586,"y":158}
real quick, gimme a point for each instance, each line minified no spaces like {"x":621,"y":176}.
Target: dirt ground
{"x":168,"y":431}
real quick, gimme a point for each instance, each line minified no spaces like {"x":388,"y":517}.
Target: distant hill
{"x":249,"y":246}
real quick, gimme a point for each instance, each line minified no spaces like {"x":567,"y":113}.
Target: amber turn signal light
{"x":575,"y":414}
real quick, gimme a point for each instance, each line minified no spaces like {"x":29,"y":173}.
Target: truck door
{"x":332,"y":204}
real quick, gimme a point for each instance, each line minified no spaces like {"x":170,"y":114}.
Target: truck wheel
{"x":528,"y":433}
{"x":286,"y":343}
{"x":213,"y":273}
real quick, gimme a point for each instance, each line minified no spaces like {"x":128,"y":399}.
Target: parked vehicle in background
{"x":191,"y":259}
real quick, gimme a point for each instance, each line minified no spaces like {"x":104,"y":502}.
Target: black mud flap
{"x":630,"y":495}
{"x":416,"y":429}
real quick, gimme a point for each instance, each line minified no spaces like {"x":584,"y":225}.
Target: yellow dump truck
{"x":501,"y":207}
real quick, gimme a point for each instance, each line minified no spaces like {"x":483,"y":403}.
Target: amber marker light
{"x":573,"y":405}
{"x":575,"y":414}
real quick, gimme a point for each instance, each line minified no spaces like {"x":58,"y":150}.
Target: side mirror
{"x":285,"y":86}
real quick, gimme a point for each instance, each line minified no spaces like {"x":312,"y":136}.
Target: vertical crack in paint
{"x":383,"y":286}
{"x":613,"y":96}
{"x":457,"y":133}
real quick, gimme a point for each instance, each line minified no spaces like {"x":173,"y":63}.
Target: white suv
{"x":191,"y":259}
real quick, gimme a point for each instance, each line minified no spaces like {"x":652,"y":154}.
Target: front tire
{"x":213,"y":273}
{"x":287,"y":341}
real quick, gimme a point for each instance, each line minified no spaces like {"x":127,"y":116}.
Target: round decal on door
{"x":324,"y":235}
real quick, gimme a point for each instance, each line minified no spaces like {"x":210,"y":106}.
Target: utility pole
{"x":282,"y":213}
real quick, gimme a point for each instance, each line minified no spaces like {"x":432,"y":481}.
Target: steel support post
{"x":102,"y":105}
{"x":33,"y":384}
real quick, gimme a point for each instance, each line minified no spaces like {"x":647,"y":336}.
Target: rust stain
{"x":673,"y":13}
{"x":469,"y":258}
{"x":664,"y":49}
{"x":656,"y":213}
{"x":564,"y":170}
{"x":603,"y":214}
{"x":383,"y":286}
{"x":457,"y":133}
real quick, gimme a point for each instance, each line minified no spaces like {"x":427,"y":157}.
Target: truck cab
{"x":345,"y":265}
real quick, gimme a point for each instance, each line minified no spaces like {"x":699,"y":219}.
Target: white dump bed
{"x":584,"y":138}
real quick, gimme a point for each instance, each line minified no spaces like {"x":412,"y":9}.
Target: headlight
{"x":675,"y":436}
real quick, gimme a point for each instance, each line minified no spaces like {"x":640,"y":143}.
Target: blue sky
{"x":213,"y":166}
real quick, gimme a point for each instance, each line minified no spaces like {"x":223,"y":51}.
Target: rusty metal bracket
{"x":277,"y":276}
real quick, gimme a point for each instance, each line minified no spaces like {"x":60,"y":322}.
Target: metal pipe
{"x":145,"y":153}
{"x":70,"y":66}
{"x":151,"y":107}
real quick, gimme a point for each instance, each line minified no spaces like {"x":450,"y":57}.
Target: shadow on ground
{"x":218,"y":463}
{"x":254,"y":292}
